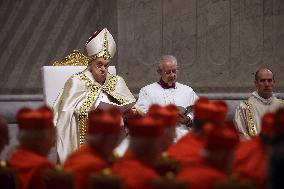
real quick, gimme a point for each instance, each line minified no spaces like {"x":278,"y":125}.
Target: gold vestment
{"x":76,"y":99}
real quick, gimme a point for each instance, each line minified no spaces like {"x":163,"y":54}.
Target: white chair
{"x":54,"y":77}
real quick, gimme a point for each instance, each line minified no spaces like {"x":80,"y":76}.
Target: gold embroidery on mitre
{"x":92,"y":95}
{"x":73,"y":59}
{"x":104,"y":52}
{"x":251,"y":123}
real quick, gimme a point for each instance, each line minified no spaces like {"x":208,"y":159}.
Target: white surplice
{"x":182,"y":95}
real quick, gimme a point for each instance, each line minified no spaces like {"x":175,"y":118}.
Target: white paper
{"x":108,"y":105}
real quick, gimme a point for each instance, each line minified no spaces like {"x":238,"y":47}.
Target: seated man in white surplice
{"x":168,"y":91}
{"x":85,"y":90}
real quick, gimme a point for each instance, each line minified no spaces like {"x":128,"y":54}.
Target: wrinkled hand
{"x":184,"y":119}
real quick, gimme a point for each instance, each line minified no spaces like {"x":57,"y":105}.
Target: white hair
{"x":167,"y":58}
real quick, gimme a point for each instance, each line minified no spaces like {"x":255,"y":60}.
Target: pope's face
{"x":99,"y":69}
{"x":168,"y":72}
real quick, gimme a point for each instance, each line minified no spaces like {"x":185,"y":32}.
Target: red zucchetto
{"x":167,"y":114}
{"x":268,"y":125}
{"x":41,"y":118}
{"x":211,"y":111}
{"x":219,"y":138}
{"x":222,"y":110}
{"x":203,"y":109}
{"x":100,"y":121}
{"x":145,"y":126}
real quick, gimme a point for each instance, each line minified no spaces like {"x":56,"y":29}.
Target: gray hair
{"x":167,"y":58}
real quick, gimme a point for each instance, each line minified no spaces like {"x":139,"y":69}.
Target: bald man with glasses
{"x":168,"y":91}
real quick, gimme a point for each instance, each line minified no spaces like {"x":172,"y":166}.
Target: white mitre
{"x":101,"y":45}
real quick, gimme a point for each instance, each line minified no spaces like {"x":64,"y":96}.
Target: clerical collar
{"x":265,"y":101}
{"x":164,"y":85}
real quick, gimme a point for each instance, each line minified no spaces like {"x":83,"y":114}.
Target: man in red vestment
{"x":251,"y":156}
{"x":219,"y":144}
{"x":103,"y":134}
{"x":36,"y":137}
{"x":188,"y":148}
{"x":136,"y":166}
{"x":169,"y":116}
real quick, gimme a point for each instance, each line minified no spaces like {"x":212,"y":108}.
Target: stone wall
{"x":219,"y":44}
{"x":35,"y":33}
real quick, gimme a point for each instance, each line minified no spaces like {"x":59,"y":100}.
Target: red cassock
{"x":136,"y":174}
{"x":29,"y":167}
{"x":187,"y":149}
{"x":83,"y":162}
{"x":201,"y":176}
{"x":251,"y":161}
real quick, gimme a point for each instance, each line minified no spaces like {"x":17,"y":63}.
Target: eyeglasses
{"x":168,"y":72}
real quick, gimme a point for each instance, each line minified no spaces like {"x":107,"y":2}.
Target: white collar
{"x":263,"y":100}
